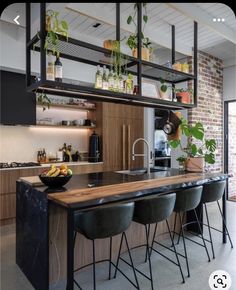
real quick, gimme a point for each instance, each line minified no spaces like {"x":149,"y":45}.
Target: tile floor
{"x":166,"y":275}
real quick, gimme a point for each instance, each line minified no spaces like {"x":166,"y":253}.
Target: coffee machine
{"x":94,"y":148}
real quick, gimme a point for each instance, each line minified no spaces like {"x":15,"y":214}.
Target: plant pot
{"x":164,"y":95}
{"x":195,"y":164}
{"x":145,"y":53}
{"x":185,"y":97}
{"x":182,"y":165}
{"x":111,"y":44}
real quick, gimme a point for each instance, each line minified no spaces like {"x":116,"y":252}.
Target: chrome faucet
{"x":142,"y":155}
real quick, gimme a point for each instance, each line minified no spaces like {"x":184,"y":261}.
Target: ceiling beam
{"x":204,"y":18}
{"x":104,"y":15}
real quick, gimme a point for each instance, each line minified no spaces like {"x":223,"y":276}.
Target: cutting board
{"x":32,"y":180}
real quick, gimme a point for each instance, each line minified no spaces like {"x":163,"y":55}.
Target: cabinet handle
{"x":123,"y":146}
{"x":128,"y":146}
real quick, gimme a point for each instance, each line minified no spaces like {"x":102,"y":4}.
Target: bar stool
{"x":102,"y":223}
{"x":187,"y":200}
{"x":213,"y":192}
{"x":153,"y":210}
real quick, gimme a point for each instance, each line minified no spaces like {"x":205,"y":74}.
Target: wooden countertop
{"x":120,"y":190}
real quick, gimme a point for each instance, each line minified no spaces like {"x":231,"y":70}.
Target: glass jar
{"x":185,"y":67}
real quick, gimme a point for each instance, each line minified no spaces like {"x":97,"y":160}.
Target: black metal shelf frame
{"x":84,"y":52}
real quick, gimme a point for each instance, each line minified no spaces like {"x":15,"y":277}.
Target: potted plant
{"x":43,"y":100}
{"x":198,"y":149}
{"x":163,"y":90}
{"x":132,"y":40}
{"x":183,"y":95}
{"x":182,"y":162}
{"x":54,"y":27}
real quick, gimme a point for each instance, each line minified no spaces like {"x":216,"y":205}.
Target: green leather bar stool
{"x":152,"y":210}
{"x":187,"y":200}
{"x":213,"y":192}
{"x":106,"y":222}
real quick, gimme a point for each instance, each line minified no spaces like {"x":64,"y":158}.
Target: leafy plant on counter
{"x":163,"y":86}
{"x":54,"y":28}
{"x":197,"y":145}
{"x":43,"y":100}
{"x":132,"y":40}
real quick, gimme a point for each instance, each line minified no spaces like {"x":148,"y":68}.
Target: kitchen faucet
{"x":142,"y":155}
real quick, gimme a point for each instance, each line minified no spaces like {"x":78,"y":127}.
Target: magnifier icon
{"x":220,"y":281}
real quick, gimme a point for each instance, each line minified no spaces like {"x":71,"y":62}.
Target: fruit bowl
{"x":55,"y":182}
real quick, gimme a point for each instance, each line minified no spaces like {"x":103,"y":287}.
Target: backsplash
{"x":20,"y":144}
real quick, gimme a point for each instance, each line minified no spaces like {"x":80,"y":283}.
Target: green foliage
{"x":132,"y":40}
{"x":202,"y":147}
{"x":43,"y":100}
{"x":163,"y":86}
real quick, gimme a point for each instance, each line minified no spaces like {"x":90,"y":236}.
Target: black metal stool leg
{"x":149,"y":256}
{"x":94,"y":266}
{"x":118,"y":257}
{"x":110,"y":258}
{"x":131,"y":261}
{"x":174,"y":229}
{"x":147,"y":246}
{"x":177,"y":257}
{"x":225,"y":224}
{"x":182,"y":223}
{"x":153,"y":239}
{"x":185,"y":250}
{"x":209,"y":230}
{"x":203,"y":240}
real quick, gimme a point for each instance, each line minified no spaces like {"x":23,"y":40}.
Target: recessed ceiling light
{"x":96,"y":25}
{"x":214,"y":19}
{"x":218,"y":19}
{"x":223,"y":20}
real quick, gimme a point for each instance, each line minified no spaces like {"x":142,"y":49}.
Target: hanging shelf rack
{"x":80,"y":51}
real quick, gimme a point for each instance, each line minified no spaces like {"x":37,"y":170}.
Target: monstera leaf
{"x":210,"y":145}
{"x":210,"y":158}
{"x":197,"y":131}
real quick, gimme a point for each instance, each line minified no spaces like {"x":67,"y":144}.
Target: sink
{"x":139,"y":171}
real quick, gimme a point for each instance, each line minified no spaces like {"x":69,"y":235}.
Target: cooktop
{"x":18,"y":164}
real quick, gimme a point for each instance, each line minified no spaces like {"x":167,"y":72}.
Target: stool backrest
{"x":213,"y":191}
{"x":106,"y":221}
{"x":188,"y":199}
{"x":154,"y":209}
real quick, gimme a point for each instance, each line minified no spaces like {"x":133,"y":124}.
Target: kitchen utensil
{"x":169,"y":127}
{"x":94,"y":148}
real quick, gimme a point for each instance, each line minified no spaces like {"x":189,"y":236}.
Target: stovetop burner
{"x":18,"y":164}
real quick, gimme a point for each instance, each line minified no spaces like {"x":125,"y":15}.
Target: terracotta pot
{"x":185,"y":97}
{"x":195,"y":164}
{"x":111,"y":44}
{"x":145,"y":53}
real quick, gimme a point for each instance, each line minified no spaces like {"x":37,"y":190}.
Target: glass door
{"x":230,"y":147}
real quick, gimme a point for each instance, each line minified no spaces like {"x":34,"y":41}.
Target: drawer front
{"x":7,"y":206}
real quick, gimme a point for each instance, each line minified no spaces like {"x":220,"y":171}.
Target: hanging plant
{"x":43,"y":100}
{"x":54,"y":28}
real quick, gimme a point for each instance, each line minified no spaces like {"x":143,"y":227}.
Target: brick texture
{"x":210,"y":103}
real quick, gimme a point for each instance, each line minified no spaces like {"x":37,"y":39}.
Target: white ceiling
{"x":216,"y":38}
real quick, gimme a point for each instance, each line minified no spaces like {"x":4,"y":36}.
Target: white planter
{"x":195,"y":164}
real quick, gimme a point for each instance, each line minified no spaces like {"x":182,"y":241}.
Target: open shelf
{"x":69,"y":107}
{"x":72,"y":90}
{"x":65,"y":126}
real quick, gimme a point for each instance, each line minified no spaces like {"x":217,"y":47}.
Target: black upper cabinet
{"x":18,"y":107}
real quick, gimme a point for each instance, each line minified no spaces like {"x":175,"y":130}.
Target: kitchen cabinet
{"x":18,"y":107}
{"x":122,"y":125}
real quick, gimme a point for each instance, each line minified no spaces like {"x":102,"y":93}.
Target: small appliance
{"x":94,"y":148}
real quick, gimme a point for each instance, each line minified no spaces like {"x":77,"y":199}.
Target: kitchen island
{"x":45,"y":218}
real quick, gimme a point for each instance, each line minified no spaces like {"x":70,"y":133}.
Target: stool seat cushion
{"x":154,"y":208}
{"x":213,"y":191}
{"x":188,"y":199}
{"x":104,"y":222}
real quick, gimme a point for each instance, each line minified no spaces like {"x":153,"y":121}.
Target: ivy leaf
{"x":198,"y":131}
{"x":193,"y":149}
{"x":210,"y":158}
{"x":211,"y":145}
{"x":129,"y":19}
{"x":174,"y":143}
{"x":64,"y":24}
{"x":145,"y":18}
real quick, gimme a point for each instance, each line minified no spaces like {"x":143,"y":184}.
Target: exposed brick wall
{"x":210,"y":103}
{"x":232,"y":148}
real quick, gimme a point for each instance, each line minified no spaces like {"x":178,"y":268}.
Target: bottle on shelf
{"x":39,"y":156}
{"x":129,"y":88}
{"x":104,"y":79}
{"x":110,"y":80}
{"x":98,"y":78}
{"x":50,"y":68}
{"x":44,"y":156}
{"x":64,"y":148}
{"x":121,"y":84}
{"x":58,"y":70}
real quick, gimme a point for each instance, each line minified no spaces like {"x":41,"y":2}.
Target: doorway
{"x":230,"y":147}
